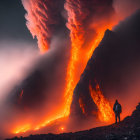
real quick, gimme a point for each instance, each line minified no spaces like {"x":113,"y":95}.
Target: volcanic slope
{"x":128,"y":129}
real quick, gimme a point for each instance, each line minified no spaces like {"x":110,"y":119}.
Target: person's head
{"x":116,"y":101}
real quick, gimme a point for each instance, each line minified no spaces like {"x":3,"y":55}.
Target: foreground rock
{"x":128,"y":129}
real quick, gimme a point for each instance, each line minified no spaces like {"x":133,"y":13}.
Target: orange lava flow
{"x":22,"y":129}
{"x":30,"y":126}
{"x":80,"y":53}
{"x":105,"y":111}
{"x":77,"y":57}
{"x":71,"y":79}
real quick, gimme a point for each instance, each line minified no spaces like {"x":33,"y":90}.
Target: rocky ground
{"x":128,"y":129}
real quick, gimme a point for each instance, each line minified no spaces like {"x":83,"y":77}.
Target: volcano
{"x":108,"y":76}
{"x":86,"y":61}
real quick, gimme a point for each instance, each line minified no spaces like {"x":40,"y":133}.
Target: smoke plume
{"x":44,"y":19}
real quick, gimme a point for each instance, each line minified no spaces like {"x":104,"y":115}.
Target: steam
{"x":37,"y":82}
{"x":16,"y":58}
{"x":14,"y":63}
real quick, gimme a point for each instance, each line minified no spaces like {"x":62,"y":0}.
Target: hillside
{"x":128,"y":129}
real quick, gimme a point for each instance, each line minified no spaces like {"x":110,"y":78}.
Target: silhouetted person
{"x":117,"y":110}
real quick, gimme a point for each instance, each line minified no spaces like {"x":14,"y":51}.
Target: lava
{"x":22,"y":129}
{"x":105,"y":111}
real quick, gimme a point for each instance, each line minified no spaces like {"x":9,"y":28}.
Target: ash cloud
{"x":45,"y":19}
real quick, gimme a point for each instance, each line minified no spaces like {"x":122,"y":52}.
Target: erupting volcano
{"x":78,"y":73}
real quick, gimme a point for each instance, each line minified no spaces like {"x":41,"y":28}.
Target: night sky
{"x":12,"y":21}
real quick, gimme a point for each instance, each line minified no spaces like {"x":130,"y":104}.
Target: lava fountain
{"x":105,"y":111}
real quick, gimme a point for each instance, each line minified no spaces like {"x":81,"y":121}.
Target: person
{"x":117,"y":110}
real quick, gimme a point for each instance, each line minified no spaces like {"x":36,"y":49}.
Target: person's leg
{"x":116,"y":117}
{"x":119,"y":117}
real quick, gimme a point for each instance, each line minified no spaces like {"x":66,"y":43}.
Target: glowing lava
{"x":80,"y":52}
{"x":105,"y":111}
{"x":62,"y":128}
{"x":22,"y":129}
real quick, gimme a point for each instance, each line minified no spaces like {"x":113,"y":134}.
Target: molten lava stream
{"x":22,"y":129}
{"x":105,"y":111}
{"x":79,"y":58}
